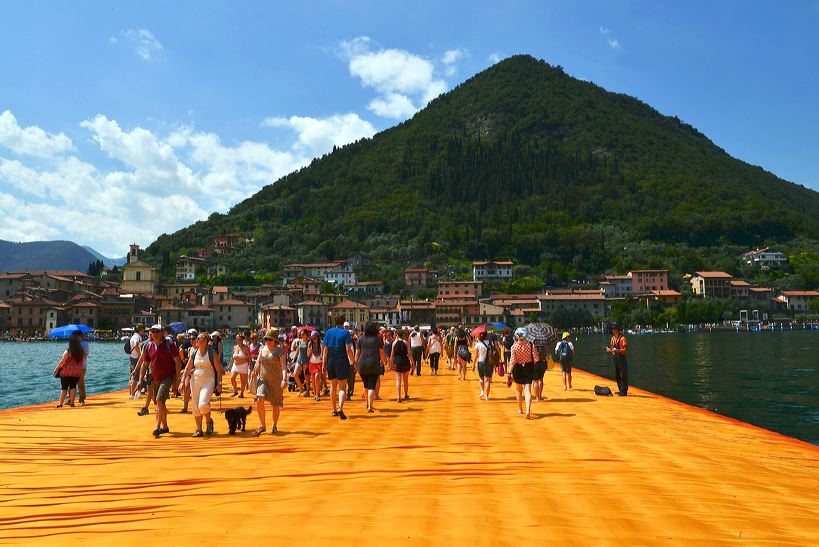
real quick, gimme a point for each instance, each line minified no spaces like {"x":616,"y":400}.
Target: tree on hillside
{"x":95,"y":268}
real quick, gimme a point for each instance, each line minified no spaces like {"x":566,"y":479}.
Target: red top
{"x":162,"y":361}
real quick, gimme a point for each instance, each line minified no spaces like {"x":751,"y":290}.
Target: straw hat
{"x":566,"y":335}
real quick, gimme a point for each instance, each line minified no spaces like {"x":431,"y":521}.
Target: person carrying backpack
{"x":203,"y":376}
{"x":564,"y":351}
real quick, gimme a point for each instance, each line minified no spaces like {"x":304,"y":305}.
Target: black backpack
{"x":564,"y":353}
{"x":127,"y":346}
{"x":603,"y":391}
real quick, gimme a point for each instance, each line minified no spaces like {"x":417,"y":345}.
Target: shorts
{"x":566,"y":367}
{"x":369,"y":380}
{"x":522,"y":374}
{"x":540,"y":370}
{"x":484,"y":369}
{"x":68,"y":382}
{"x":162,"y":389}
{"x":134,"y":370}
{"x":241,"y":369}
{"x":338,"y":366}
{"x":402,"y":367}
{"x":315,"y":367}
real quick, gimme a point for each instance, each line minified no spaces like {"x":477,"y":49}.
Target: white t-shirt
{"x":416,"y":340}
{"x":136,"y":341}
{"x":557,"y":346}
{"x":481,"y":348}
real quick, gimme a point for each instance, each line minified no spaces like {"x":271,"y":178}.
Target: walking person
{"x":165,"y":367}
{"x":434,"y":346}
{"x":417,"y":346}
{"x":69,"y":370}
{"x":185,"y":342}
{"x":541,"y":365}
{"x":487,"y":351}
{"x":239,"y":366}
{"x":202,"y":378}
{"x":522,"y":361}
{"x":81,"y":383}
{"x":370,"y":358}
{"x":136,"y":352}
{"x":299,"y":346}
{"x":618,"y":348}
{"x":462,"y":355}
{"x":336,"y":357}
{"x":400,"y":363}
{"x":315,"y":363}
{"x":564,"y":350}
{"x":271,"y":377}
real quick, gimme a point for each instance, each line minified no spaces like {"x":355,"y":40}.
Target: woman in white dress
{"x":204,"y":375}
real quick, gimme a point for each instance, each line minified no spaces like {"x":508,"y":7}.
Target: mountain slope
{"x":44,"y":255}
{"x":520,"y":161}
{"x":108,"y":262}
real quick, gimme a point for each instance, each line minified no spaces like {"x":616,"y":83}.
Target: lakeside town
{"x":34,"y":302}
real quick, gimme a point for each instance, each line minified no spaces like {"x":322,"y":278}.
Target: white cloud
{"x":158,"y":182}
{"x":392,"y":105}
{"x":406,"y":82}
{"x":494,"y":58}
{"x":143,"y":41}
{"x":450,"y":57}
{"x":32,"y":140}
{"x":320,"y":135}
{"x":614,"y":43}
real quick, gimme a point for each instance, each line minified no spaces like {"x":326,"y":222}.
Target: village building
{"x":137,"y":276}
{"x":450,"y":312}
{"x":11,"y":283}
{"x":492,"y":270}
{"x":797,"y":301}
{"x":233,"y":313}
{"x":420,"y":277}
{"x":84,"y":313}
{"x":356,"y":313}
{"x":416,"y":312}
{"x":5,"y":316}
{"x":216,"y":268}
{"x":459,"y":289}
{"x":711,"y":284}
{"x":594,"y":303}
{"x":311,"y":312}
{"x":764,"y":259}
{"x":739,"y":288}
{"x":188,"y":266}
{"x":365,"y":288}
{"x":645,"y":281}
{"x":339,"y":272}
{"x":274,"y":315}
{"x":228,"y":243}
{"x":616,"y":286}
{"x":387,"y":317}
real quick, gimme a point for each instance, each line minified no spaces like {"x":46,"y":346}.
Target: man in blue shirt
{"x":337,"y":354}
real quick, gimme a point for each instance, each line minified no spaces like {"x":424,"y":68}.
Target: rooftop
{"x":714,"y":275}
{"x":800,"y":293}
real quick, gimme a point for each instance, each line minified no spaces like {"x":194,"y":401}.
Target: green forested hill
{"x":525,"y":162}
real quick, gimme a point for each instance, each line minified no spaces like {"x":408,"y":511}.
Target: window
{"x":139,"y":276}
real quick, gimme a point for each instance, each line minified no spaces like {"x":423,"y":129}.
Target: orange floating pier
{"x":444,"y":468}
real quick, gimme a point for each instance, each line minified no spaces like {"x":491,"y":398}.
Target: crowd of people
{"x":310,"y":363}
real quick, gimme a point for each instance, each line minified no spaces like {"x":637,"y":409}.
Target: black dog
{"x":237,"y":417}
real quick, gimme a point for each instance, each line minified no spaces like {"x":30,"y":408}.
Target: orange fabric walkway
{"x":444,"y":468}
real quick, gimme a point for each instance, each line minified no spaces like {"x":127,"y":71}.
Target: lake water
{"x":767,"y":379}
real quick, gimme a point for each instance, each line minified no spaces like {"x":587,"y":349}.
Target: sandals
{"x":273,"y":430}
{"x":259,"y":431}
{"x":58,"y":406}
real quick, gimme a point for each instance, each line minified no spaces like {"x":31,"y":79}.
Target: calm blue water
{"x":767,"y":379}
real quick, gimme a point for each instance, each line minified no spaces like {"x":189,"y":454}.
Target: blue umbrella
{"x":177,"y":327}
{"x":66,"y":330}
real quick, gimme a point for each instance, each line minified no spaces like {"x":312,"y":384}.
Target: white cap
{"x":156,"y":327}
{"x":346,"y":323}
{"x":191,"y":331}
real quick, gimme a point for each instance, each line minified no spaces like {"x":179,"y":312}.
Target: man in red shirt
{"x":165,"y":367}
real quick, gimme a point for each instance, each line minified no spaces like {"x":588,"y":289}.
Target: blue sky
{"x":122,"y":121}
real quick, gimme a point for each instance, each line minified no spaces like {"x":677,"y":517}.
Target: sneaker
{"x":157,"y":432}
{"x":143,"y":411}
{"x":481,"y":395}
{"x":341,"y":415}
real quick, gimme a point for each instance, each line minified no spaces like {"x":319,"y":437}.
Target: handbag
{"x":57,"y":370}
{"x":500,"y":370}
